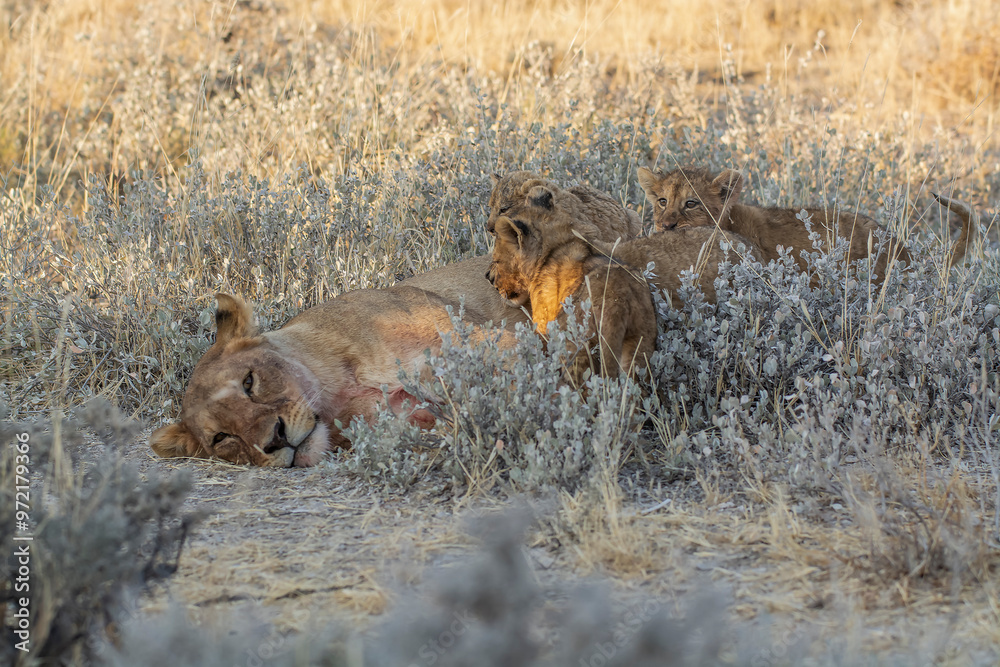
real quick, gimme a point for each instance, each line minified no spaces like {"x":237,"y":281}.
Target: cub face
{"x":506,"y":271}
{"x":521,"y":245}
{"x":690,"y":197}
{"x":507,"y":193}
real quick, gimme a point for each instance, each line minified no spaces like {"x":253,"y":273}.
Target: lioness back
{"x":466,"y":282}
{"x":694,"y":197}
{"x":596,"y":214}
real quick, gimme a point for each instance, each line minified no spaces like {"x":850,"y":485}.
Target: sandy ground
{"x":302,"y":546}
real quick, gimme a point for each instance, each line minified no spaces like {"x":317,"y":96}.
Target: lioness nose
{"x":280,"y":439}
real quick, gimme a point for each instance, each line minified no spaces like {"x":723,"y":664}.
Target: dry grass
{"x":105,"y":87}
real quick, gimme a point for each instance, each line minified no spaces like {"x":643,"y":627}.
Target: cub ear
{"x":729,"y":184}
{"x":540,"y":196}
{"x":233,"y":319}
{"x":648,"y":182}
{"x":495,"y":177}
{"x":512,"y":231}
{"x":175,"y":440}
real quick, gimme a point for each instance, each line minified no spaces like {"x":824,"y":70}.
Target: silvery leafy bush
{"x":784,"y":378}
{"x":491,"y":609}
{"x":487,"y":610}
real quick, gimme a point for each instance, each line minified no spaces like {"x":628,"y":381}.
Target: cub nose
{"x":280,"y":439}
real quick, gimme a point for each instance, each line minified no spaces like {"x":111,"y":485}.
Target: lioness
{"x":271,"y":399}
{"x":466,"y":281}
{"x":691,"y":197}
{"x":596,"y":214}
{"x":540,"y":258}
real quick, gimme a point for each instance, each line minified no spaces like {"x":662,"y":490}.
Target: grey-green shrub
{"x":491,"y":609}
{"x":101,"y":534}
{"x":907,"y":356}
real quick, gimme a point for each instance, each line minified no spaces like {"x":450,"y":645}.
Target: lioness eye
{"x":691,"y":203}
{"x":662,"y":202}
{"x":248,"y":382}
{"x":219,"y":437}
{"x":504,"y":209}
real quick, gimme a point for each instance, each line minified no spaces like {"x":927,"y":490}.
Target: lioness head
{"x":521,"y":245}
{"x":690,"y":197}
{"x":247,"y":401}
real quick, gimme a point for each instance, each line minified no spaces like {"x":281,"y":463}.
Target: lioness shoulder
{"x":467,"y":282}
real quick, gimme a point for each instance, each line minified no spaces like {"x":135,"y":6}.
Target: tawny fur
{"x":597,"y":214}
{"x":272,"y":399}
{"x":691,"y":197}
{"x":541,"y":258}
{"x":672,"y":253}
{"x":970,"y":225}
{"x":466,"y":281}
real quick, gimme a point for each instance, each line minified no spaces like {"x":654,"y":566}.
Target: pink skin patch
{"x":402,"y":403}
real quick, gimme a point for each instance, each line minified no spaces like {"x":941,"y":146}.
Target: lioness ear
{"x":175,"y":440}
{"x":512,"y":231}
{"x":540,"y":196}
{"x":729,"y":184}
{"x":233,"y":319}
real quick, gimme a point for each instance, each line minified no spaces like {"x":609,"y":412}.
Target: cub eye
{"x":219,"y":437}
{"x":691,"y":203}
{"x":662,"y":202}
{"x":248,"y":383}
{"x":504,"y":209}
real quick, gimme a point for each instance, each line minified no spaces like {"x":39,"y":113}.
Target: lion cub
{"x":596,"y":214}
{"x":541,"y":258}
{"x":693,"y":197}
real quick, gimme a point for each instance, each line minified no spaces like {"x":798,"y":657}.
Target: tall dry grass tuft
{"x":105,"y":88}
